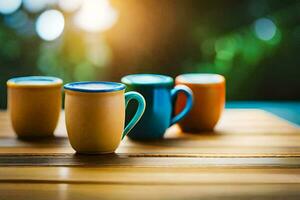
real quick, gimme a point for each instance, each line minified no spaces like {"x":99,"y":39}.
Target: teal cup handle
{"x":189,"y":103}
{"x":140,"y":110}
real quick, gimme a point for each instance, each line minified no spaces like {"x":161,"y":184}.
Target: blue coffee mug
{"x":160,"y":94}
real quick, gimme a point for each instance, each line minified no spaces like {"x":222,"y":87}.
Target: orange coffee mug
{"x":209,"y":100}
{"x":34,"y":103}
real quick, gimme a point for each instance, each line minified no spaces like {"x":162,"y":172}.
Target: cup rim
{"x":49,"y":81}
{"x":219,"y":79}
{"x":117,"y":86}
{"x":165,"y":80}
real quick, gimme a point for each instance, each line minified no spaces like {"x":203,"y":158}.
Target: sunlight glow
{"x":96,"y":15}
{"x":50,"y":24}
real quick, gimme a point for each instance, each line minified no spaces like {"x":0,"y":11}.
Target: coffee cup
{"x":209,"y":100}
{"x":95,"y":115}
{"x":34,"y":104}
{"x":160,"y":93}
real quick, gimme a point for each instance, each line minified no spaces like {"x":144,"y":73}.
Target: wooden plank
{"x":17,"y":182}
{"x":171,"y":151}
{"x":251,"y":155}
{"x":122,"y":160}
{"x":48,"y":191}
{"x":203,"y":145}
{"x":233,"y":121}
{"x":240,"y":133}
{"x":150,"y":176}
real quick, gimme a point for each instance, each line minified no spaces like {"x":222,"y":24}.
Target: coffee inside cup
{"x":94,"y":86}
{"x":201,"y":78}
{"x":34,"y":80}
{"x":147,"y":79}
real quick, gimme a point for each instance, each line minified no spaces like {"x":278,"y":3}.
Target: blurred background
{"x":255,"y":44}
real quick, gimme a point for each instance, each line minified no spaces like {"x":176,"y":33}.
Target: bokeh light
{"x":69,"y":5}
{"x":35,"y":6}
{"x":50,"y":25}
{"x":265,"y":29}
{"x":105,"y":39}
{"x":9,"y":6}
{"x":96,"y":15}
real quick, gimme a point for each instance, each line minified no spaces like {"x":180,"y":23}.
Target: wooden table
{"x":252,"y":154}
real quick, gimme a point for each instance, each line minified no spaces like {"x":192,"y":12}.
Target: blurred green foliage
{"x":168,"y":37}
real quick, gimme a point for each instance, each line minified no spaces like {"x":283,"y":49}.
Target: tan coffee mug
{"x":209,"y":100}
{"x":34,"y":104}
{"x":95,"y":115}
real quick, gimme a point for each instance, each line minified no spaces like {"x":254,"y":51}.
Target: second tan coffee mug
{"x":209,"y":100}
{"x":34,"y":103}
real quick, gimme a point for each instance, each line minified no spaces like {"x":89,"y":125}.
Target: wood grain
{"x":150,"y":175}
{"x":46,"y":191}
{"x":251,"y":154}
{"x":240,"y":133}
{"x":139,"y":161}
{"x":206,"y":145}
{"x":233,"y":121}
